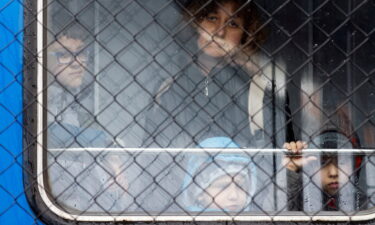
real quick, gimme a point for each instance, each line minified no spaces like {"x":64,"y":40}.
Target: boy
{"x":334,"y":173}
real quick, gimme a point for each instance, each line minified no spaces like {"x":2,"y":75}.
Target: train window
{"x":221,"y":110}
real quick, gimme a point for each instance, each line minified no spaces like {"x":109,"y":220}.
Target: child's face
{"x":67,"y":61}
{"x":226,"y":193}
{"x":334,"y":175}
{"x":220,"y":31}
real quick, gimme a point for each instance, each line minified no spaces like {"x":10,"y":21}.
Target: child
{"x":70,"y":92}
{"x":68,"y":63}
{"x":336,"y":173}
{"x":219,"y":182}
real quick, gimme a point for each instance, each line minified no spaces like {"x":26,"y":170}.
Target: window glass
{"x":195,"y":108}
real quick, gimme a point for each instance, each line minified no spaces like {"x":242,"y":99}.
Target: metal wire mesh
{"x":142,"y":110}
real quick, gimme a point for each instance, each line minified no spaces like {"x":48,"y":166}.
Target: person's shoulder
{"x":55,"y":91}
{"x":266,"y":61}
{"x":270,"y":69}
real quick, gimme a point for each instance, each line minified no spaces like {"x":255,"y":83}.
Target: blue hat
{"x":204,"y":168}
{"x":218,"y":142}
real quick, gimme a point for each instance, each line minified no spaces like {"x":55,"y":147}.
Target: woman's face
{"x":67,"y":61}
{"x":221,"y":31}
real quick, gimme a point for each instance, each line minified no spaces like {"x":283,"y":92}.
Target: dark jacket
{"x":300,"y":198}
{"x":192,"y":107}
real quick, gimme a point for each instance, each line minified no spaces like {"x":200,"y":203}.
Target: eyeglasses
{"x":65,"y":57}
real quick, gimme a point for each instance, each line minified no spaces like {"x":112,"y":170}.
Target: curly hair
{"x":254,"y":34}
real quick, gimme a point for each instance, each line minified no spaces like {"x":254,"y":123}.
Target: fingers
{"x":295,"y":147}
{"x":300,"y":145}
{"x":287,"y":146}
{"x":294,"y":161}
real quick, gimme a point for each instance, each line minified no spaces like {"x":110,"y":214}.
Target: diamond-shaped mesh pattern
{"x":198,"y":109}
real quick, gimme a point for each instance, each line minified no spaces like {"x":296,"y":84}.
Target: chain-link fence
{"x":189,"y":110}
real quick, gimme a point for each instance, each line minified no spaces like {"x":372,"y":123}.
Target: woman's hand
{"x":293,"y":159}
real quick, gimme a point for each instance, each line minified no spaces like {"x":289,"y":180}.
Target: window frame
{"x":34,"y":155}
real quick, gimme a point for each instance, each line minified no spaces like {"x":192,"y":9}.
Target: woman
{"x":225,"y":26}
{"x":210,"y":96}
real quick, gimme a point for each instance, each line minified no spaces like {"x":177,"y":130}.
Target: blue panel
{"x":13,"y":205}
